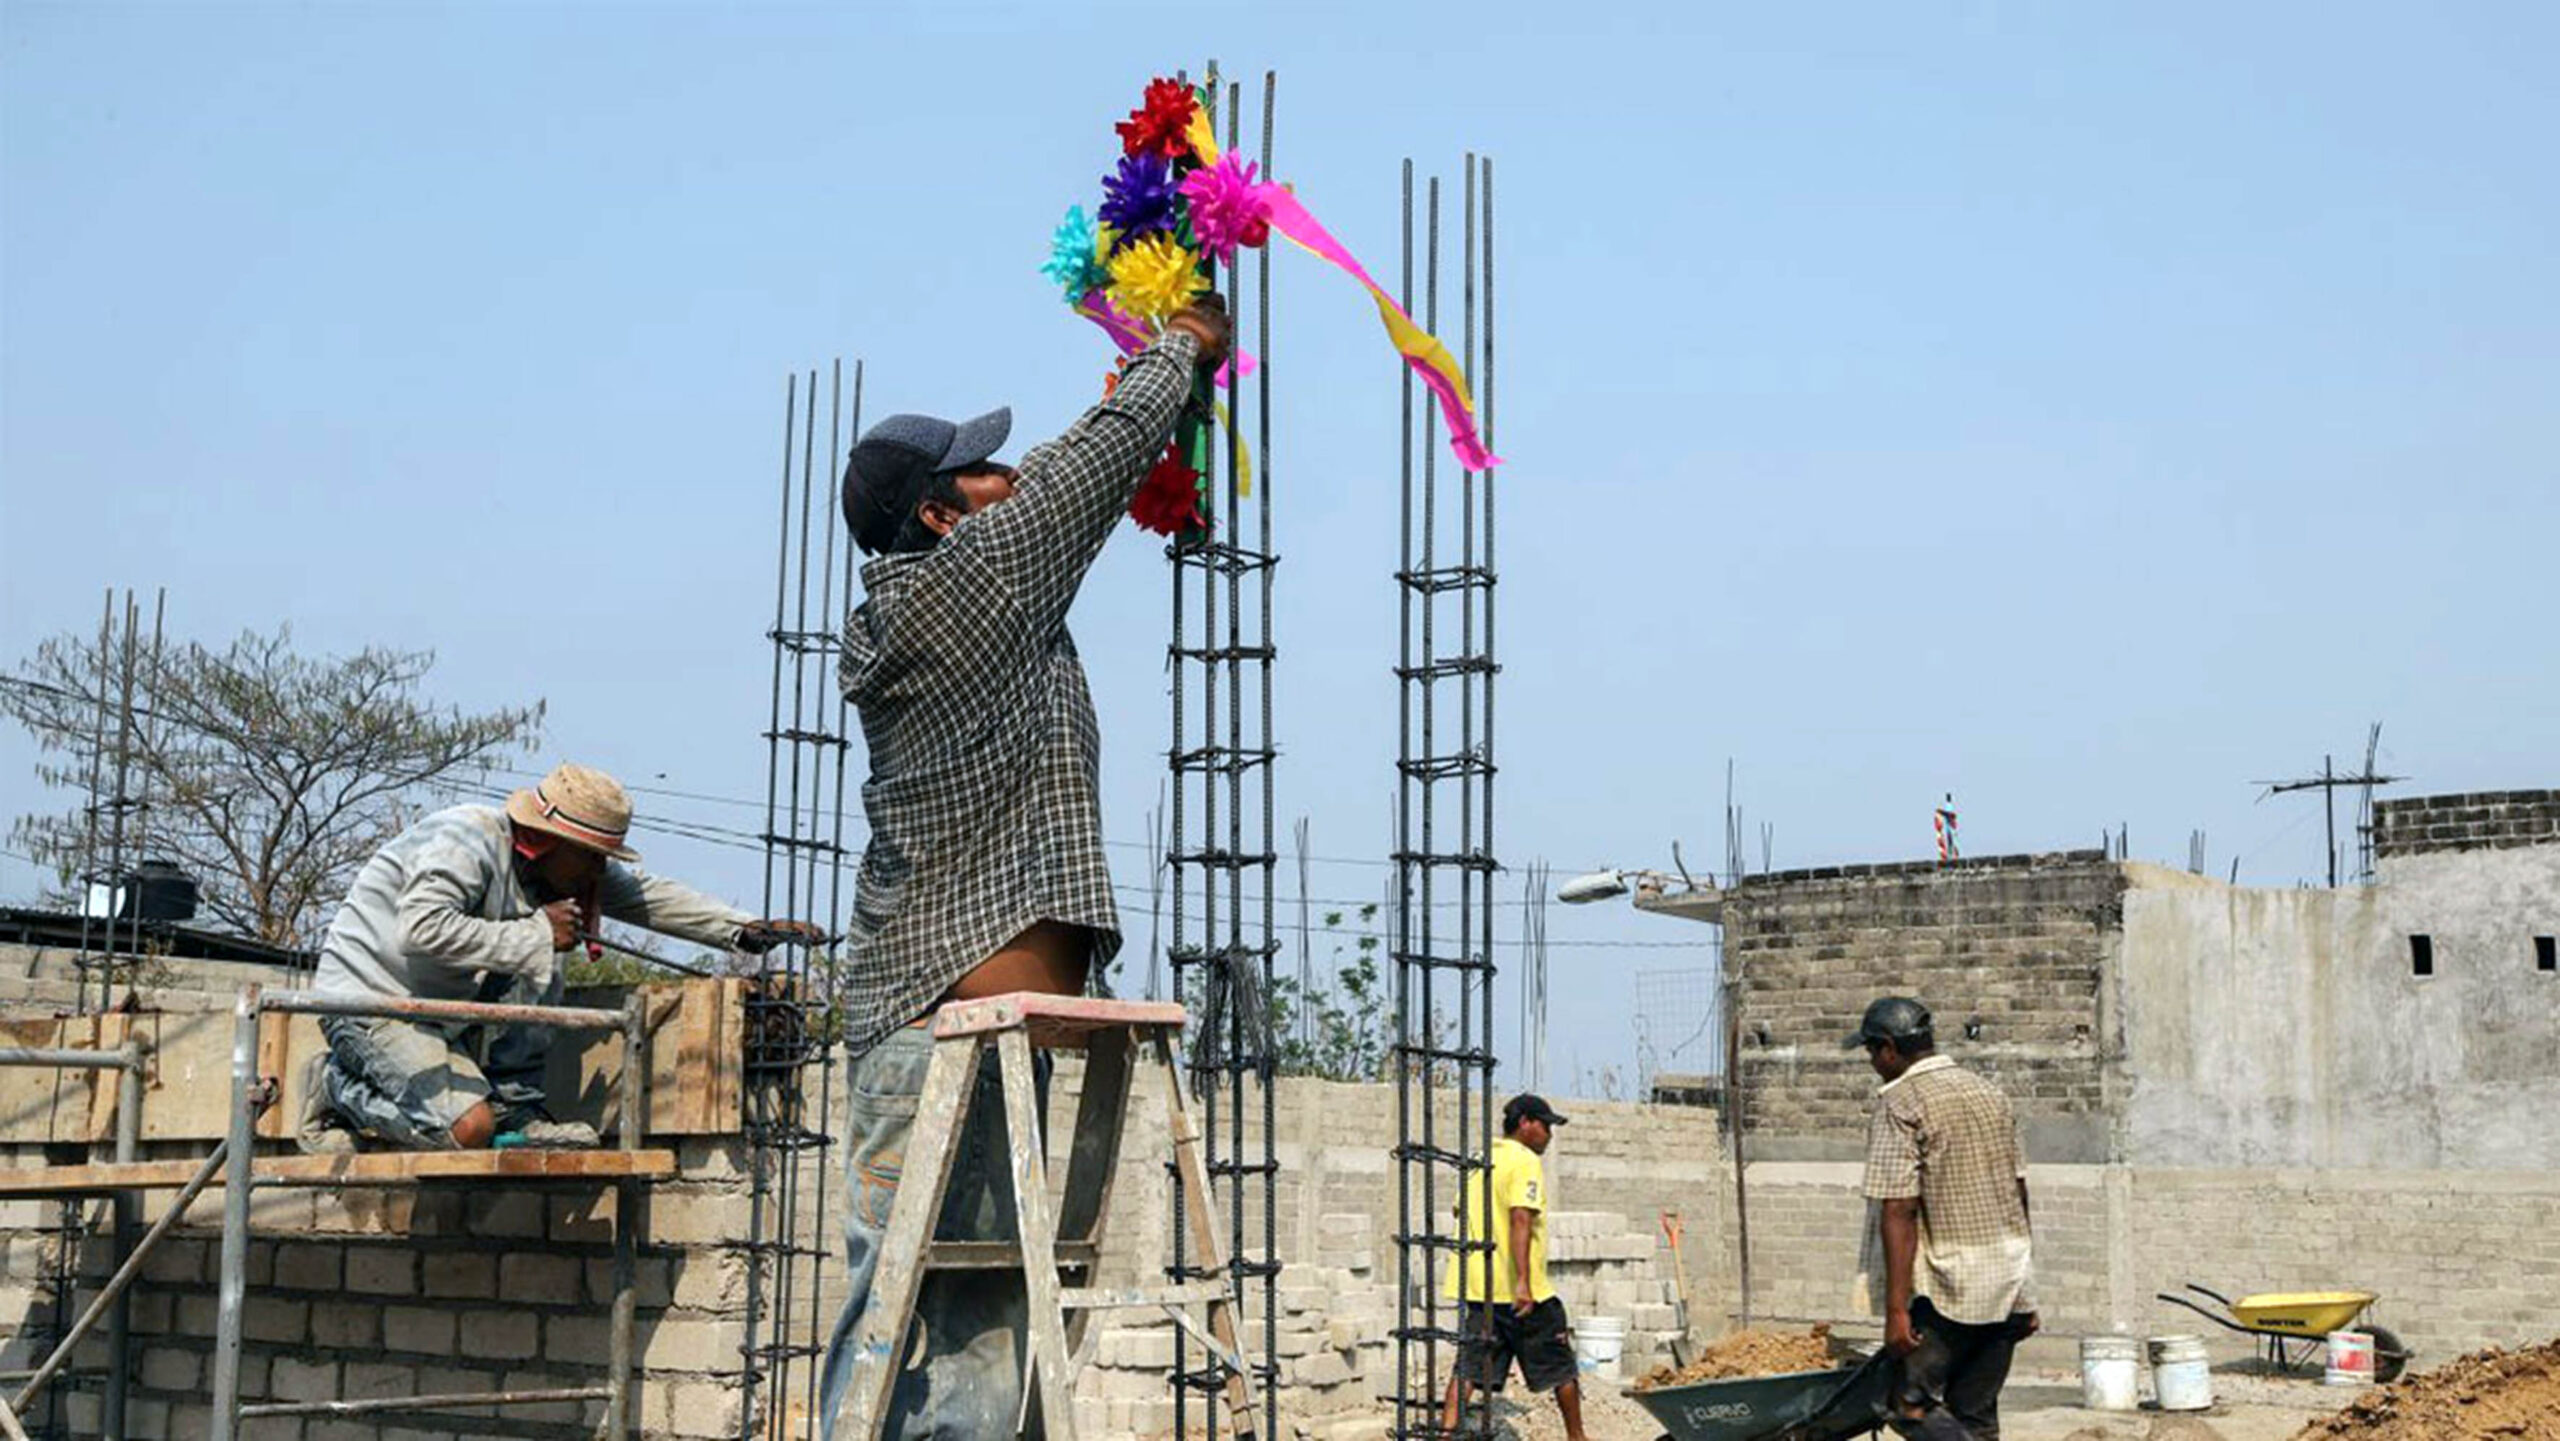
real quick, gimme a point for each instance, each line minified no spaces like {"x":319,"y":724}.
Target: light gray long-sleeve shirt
{"x":440,"y":906}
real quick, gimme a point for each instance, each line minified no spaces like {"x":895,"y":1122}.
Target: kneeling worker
{"x":1523,"y":1320}
{"x":476,"y":903}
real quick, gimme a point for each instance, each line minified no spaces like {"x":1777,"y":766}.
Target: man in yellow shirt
{"x":1522,"y":1320}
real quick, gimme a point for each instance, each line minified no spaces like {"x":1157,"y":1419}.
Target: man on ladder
{"x":984,"y":873}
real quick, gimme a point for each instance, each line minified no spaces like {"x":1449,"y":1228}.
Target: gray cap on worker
{"x":1893,"y":1018}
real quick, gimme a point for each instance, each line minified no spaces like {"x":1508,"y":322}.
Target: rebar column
{"x":1222,"y":850}
{"x":789,"y":1024}
{"x":1442,"y":923}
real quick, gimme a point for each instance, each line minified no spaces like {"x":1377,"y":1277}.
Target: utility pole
{"x":2327,"y":783}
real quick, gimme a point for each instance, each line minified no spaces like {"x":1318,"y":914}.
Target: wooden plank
{"x":367,"y":1168}
{"x":59,"y":1104}
{"x":697,"y":1041}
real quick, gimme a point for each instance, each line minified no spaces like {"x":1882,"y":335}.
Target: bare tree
{"x":269,"y":775}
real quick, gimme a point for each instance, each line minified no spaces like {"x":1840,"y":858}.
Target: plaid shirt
{"x":1950,"y":1138}
{"x":985,"y":758}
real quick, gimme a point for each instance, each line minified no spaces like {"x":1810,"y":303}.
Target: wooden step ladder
{"x":1111,"y":1034}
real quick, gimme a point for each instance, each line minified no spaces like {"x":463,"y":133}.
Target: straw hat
{"x":578,"y":804}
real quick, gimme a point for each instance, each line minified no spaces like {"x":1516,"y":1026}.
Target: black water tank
{"x":159,"y":891}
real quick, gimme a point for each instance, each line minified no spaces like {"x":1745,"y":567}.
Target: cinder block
{"x":711,"y":1280}
{"x":463,"y":1274}
{"x":417,"y":1329}
{"x":583,"y":1217}
{"x":382,"y":1270}
{"x":653,"y":1278}
{"x":1323,"y":1368}
{"x":501,"y":1335}
{"x":351,"y":1325}
{"x":529,"y":1276}
{"x":368,"y":1380}
{"x":705,"y":1408}
{"x":1132,"y":1349}
{"x":309,"y":1266}
{"x":295,"y":1379}
{"x":504,"y":1213}
{"x":270,"y":1318}
{"x":166,"y":1368}
{"x":688,"y":1345}
{"x":174,"y":1262}
{"x":577,"y":1340}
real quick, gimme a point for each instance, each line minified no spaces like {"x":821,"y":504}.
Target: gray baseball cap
{"x":1893,"y":1018}
{"x":891,"y":463}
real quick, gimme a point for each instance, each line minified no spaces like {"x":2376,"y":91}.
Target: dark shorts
{"x":1957,"y":1373}
{"x":1541,"y":1342}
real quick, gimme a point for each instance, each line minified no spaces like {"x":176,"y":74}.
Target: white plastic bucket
{"x":2350,"y":1359}
{"x":2110,"y":1373}
{"x":1598,"y":1341}
{"x":2181,"y":1377}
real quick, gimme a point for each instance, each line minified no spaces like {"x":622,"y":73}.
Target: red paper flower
{"x":1162,"y":125}
{"x":1168,"y":502}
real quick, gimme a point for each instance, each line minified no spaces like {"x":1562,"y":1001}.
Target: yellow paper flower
{"x":1153,"y":277}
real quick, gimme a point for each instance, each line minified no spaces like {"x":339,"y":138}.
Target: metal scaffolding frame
{"x":1443,"y":947}
{"x":252,"y":1094}
{"x":127,"y":1206}
{"x":790,"y":1011}
{"x":1221,"y":851}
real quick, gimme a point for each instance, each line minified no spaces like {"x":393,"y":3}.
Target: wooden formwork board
{"x":697,"y":1029}
{"x":370,"y":1168}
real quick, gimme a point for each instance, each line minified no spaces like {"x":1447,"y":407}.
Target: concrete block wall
{"x":2015,"y":945}
{"x":363,"y":1294}
{"x":2481,"y":820}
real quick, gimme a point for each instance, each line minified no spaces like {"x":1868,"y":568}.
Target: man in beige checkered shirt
{"x":1944,"y":1162}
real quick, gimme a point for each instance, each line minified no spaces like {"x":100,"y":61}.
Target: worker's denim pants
{"x":961,"y":1380}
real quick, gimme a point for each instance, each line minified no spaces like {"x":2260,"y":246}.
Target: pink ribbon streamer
{"x":1429,"y":359}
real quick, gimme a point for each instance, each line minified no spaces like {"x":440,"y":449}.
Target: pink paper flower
{"x":1230,"y":206}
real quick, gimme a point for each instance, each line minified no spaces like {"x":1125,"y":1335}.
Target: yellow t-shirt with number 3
{"x":1519,"y":1183}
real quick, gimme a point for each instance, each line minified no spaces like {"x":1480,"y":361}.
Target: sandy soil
{"x":2508,"y":1395}
{"x":1749,"y":1353}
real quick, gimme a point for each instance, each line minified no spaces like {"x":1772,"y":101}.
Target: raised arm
{"x":1071,"y":492}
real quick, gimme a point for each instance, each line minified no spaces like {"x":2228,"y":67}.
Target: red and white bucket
{"x":2350,"y":1359}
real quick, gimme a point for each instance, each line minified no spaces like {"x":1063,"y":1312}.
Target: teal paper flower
{"x":1074,"y":262}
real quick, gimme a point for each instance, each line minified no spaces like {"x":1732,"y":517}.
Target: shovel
{"x":1679,"y":1289}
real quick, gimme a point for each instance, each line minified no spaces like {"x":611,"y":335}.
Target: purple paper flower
{"x":1138,"y":197}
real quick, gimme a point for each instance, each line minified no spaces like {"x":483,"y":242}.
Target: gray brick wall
{"x":2014,"y":944}
{"x":2482,"y":820}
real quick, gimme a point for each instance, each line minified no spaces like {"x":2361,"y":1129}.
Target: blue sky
{"x":2086,"y":410}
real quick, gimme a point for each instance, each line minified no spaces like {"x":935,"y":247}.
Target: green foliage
{"x":1343,"y":1029}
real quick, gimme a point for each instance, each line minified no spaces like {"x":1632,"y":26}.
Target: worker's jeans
{"x":1954,"y":1378}
{"x":407,"y":1082}
{"x":962,"y":1379}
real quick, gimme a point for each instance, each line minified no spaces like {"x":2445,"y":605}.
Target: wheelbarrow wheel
{"x":2390,"y":1358}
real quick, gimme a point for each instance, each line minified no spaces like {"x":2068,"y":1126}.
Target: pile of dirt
{"x":2508,"y":1395}
{"x":1749,"y":1353}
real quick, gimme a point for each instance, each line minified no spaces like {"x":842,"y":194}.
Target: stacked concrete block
{"x":1604,"y":1264}
{"x":2008,"y":951}
{"x":2484,"y":820}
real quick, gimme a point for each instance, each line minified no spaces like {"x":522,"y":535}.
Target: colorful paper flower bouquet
{"x":1172,"y":209}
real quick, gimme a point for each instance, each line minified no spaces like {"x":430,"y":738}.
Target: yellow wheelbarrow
{"x":2295,"y":1325}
